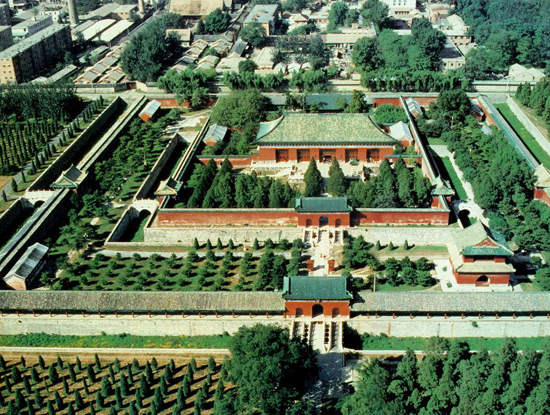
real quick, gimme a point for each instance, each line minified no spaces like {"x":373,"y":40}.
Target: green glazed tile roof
{"x":294,"y":128}
{"x":315,"y":288}
{"x":322,"y":204}
{"x":466,"y":239}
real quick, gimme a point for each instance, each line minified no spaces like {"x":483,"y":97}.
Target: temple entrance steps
{"x":324,"y":336}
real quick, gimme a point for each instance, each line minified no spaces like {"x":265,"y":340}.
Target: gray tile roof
{"x":336,"y":129}
{"x":315,"y":288}
{"x":111,"y":301}
{"x":440,"y":302}
{"x":28,"y":262}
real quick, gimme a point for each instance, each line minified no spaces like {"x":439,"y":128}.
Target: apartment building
{"x":5,"y":17}
{"x":6,"y":39}
{"x":32,"y":26}
{"x":32,"y":56}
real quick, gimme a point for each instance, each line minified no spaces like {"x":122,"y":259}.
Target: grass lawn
{"x":457,"y":184}
{"x":530,"y":286}
{"x":114,"y":341}
{"x":424,"y":250}
{"x":421,"y":343}
{"x":541,"y":155}
{"x":436,"y":141}
{"x":536,"y":119}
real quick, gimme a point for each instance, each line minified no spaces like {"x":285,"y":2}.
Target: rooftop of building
{"x":30,"y":22}
{"x":29,"y":42}
{"x":262,"y":13}
{"x":479,"y":240}
{"x":28,"y":262}
{"x":333,"y":128}
{"x":315,"y":288}
{"x":195,"y":7}
{"x":322,"y":204}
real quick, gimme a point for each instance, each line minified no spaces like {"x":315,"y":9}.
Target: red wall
{"x":385,"y":101}
{"x":423,"y":101}
{"x":472,"y":278}
{"x":268,"y":217}
{"x":400,"y":217}
{"x":269,"y":154}
{"x":332,"y":218}
{"x":235,"y":161}
{"x":226,"y":217}
{"x":307,"y":307}
{"x":542,"y":196}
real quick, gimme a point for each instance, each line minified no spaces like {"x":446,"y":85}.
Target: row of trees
{"x":150,"y":50}
{"x":508,"y":31}
{"x":212,"y":187}
{"x":133,"y":388}
{"x":357,"y":254}
{"x":301,"y":49}
{"x":395,"y":187}
{"x":537,"y":98}
{"x":58,"y":103}
{"x":420,"y":51}
{"x":190,"y":86}
{"x":507,"y":199}
{"x":451,"y":380}
{"x":216,"y":22}
{"x":21,"y":141}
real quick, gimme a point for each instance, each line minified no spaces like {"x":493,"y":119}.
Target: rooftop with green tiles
{"x":337,"y":129}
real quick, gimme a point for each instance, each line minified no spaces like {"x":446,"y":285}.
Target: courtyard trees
{"x":216,"y":22}
{"x":189,"y":86}
{"x":254,"y":34}
{"x":313,"y":180}
{"x":269,"y":369}
{"x":337,"y":183}
{"x":150,"y":50}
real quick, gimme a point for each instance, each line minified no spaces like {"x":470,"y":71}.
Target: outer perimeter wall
{"x":176,"y":325}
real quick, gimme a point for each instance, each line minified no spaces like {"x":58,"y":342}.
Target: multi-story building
{"x":32,"y":26}
{"x":6,"y":39}
{"x":5,"y":17}
{"x":266,"y":15}
{"x":32,"y":56}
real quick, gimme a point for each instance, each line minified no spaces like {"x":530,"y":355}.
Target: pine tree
{"x":337,"y":183}
{"x":99,"y":402}
{"x":78,"y":364}
{"x":53,"y":375}
{"x":406,"y":245}
{"x":50,"y":408}
{"x":14,"y":187}
{"x":70,"y":410}
{"x":390,"y":247}
{"x":85,"y":386}
{"x":72,"y":374}
{"x":78,"y":402}
{"x":313,"y":180}
{"x":180,"y":398}
{"x":19,"y":400}
{"x":138,"y":399}
{"x":97,"y":362}
{"x":90,"y":373}
{"x":23,"y":362}
{"x":4,"y":196}
{"x":123,"y":385}
{"x":30,"y":409}
{"x":65,"y":386}
{"x":211,"y":364}
{"x":58,"y":401}
{"x":118,"y":398}
{"x":38,"y":401}
{"x":255,"y":244}
{"x":59,"y":363}
{"x":230,"y":244}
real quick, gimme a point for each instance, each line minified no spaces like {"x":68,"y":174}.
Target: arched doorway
{"x":338,"y":223}
{"x":482,"y":281}
{"x":299,"y":312}
{"x":335,"y":312}
{"x":464,"y":218}
{"x":309,"y":223}
{"x":317,"y":310}
{"x":323,"y":221}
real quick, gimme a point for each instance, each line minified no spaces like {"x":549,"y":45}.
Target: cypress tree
{"x":337,"y":183}
{"x":106,"y":388}
{"x":180,"y":398}
{"x":123,"y":385}
{"x":65,"y":386}
{"x":148,"y":373}
{"x":27,"y":385}
{"x":85,"y":386}
{"x":58,"y":401}
{"x":219,"y":391}
{"x":92,"y":409}
{"x":78,"y":364}
{"x":406,"y":245}
{"x":112,"y":374}
{"x":158,"y":400}
{"x":12,"y":409}
{"x":4,"y":196}
{"x":14,"y":187}
{"x":129,"y":374}
{"x":23,"y":363}
{"x":59,"y":363}
{"x":313,"y":180}
{"x":204,"y":388}
{"x":138,"y":399}
{"x":211,"y":364}
{"x":2,"y":362}
{"x":193,"y":364}
{"x":99,"y":401}
{"x":230,"y":244}
{"x":118,"y":399}
{"x":30,"y":409}
{"x":19,"y":400}
{"x":70,"y":411}
{"x":78,"y":402}
{"x":53,"y":375}
{"x":72,"y":374}
{"x":186,"y":386}
{"x":41,"y":362}
{"x":90,"y":373}
{"x":377,"y":246}
{"x":255,"y":244}
{"x":390,"y":247}
{"x":143,"y":386}
{"x":112,"y":410}
{"x":8,"y":384}
{"x":219,"y":244}
{"x":50,"y":408}
{"x":38,"y":401}
{"x":15,"y":375}
{"x":132,"y":409}
{"x":162,"y":387}
{"x":97,"y":362}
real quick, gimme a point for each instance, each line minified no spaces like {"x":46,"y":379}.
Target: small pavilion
{"x":479,"y":256}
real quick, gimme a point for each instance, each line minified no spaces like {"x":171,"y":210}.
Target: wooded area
{"x":451,"y":380}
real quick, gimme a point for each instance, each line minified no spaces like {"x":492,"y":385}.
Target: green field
{"x":541,"y":155}
{"x":421,"y":343}
{"x":457,"y":184}
{"x":116,"y":341}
